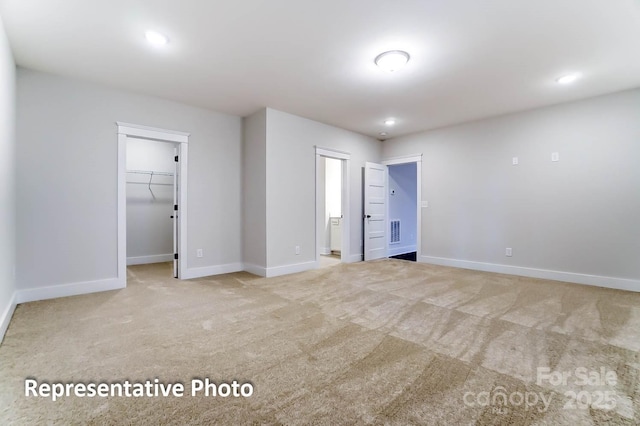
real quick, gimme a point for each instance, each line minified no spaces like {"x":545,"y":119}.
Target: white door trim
{"x":332,"y":153}
{"x":146,"y":132}
{"x":416,"y":158}
{"x":126,"y":130}
{"x":346,"y":201}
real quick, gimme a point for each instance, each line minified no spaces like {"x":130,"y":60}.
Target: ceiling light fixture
{"x":392,"y":60}
{"x":156,"y":39}
{"x":389,"y":122}
{"x":568,"y":79}
{"x":383,"y":134}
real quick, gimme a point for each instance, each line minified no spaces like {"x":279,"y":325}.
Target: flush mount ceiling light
{"x":383,"y":134}
{"x":392,"y":60}
{"x":156,"y":39}
{"x":389,"y":122}
{"x":568,"y":79}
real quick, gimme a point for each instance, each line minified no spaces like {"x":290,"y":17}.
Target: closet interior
{"x":151,"y":196}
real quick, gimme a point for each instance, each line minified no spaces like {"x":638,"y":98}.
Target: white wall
{"x":7,"y":181}
{"x":403,"y":206}
{"x":291,"y":142}
{"x":149,"y":207}
{"x":67,"y":174}
{"x":254,"y":192}
{"x":579,"y":216}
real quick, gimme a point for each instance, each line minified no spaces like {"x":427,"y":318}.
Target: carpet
{"x":383,"y":342}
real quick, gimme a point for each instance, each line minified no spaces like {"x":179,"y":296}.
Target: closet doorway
{"x":151,"y":200}
{"x":152,"y":197}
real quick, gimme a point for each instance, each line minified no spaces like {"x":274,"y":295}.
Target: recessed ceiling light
{"x":156,"y":39}
{"x":569,"y":78}
{"x":383,"y":133}
{"x":389,"y":122}
{"x":392,"y":60}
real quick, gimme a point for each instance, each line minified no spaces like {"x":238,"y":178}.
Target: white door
{"x":175,"y":213}
{"x":375,"y":211}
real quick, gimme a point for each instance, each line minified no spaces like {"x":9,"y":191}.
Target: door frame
{"x":416,"y":158}
{"x":345,"y":158}
{"x":181,"y":139}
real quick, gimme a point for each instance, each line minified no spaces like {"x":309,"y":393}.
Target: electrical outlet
{"x":508,"y":252}
{"x":199,"y":253}
{"x":514,"y":161}
{"x":555,"y":156}
{"x":297,"y":249}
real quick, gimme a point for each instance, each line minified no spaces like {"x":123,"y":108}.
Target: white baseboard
{"x":207,"y":271}
{"x":394,"y":251}
{"x":143,"y":260}
{"x":64,"y":290}
{"x":255,"y":269}
{"x":572,"y":277}
{"x":290,"y":269}
{"x":7,"y":313}
{"x":325,"y":250}
{"x":352,"y":258}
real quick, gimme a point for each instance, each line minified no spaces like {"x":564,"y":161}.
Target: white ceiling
{"x":469,"y":58}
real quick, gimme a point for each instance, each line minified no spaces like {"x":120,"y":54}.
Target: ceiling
{"x":470,"y":59}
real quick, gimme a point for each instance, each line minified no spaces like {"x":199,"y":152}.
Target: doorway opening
{"x":152,"y":170}
{"x":151,"y":198}
{"x":383,"y":185}
{"x":403,"y":207}
{"x":332,"y":207}
{"x":331,"y":204}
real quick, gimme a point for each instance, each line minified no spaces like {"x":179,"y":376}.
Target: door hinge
{"x":175,"y":256}
{"x":175,"y":158}
{"x":175,"y":207}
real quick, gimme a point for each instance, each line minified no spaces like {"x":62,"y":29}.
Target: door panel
{"x":375,"y":211}
{"x":175,"y":214}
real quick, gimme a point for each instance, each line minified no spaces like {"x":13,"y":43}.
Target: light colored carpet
{"x":384,"y":342}
{"x":329,"y":260}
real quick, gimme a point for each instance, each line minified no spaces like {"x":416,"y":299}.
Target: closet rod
{"x":152,"y":183}
{"x":145,"y":172}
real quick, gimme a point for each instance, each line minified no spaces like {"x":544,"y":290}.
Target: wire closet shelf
{"x":151,"y":174}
